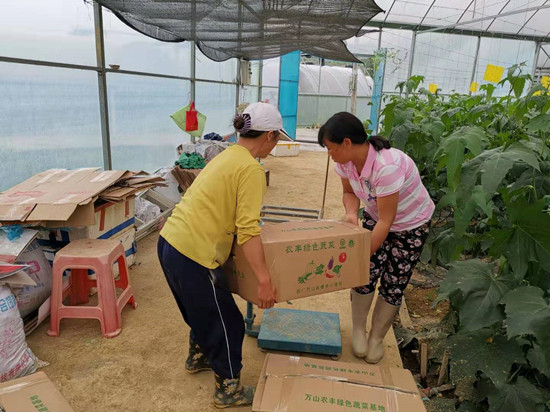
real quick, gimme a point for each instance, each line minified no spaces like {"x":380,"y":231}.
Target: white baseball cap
{"x":265,"y":117}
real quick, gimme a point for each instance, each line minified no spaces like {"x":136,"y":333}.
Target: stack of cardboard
{"x":76,"y":204}
{"x":66,"y":198}
{"x":294,"y":383}
{"x":185,"y":177}
{"x":130,"y":184}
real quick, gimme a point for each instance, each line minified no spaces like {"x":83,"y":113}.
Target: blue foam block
{"x":301,"y":331}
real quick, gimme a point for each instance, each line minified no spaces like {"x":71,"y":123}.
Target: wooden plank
{"x":423,"y":360}
{"x":443,"y":369}
{"x":404,"y":317}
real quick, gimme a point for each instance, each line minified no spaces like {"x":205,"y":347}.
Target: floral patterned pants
{"x":394,"y":261}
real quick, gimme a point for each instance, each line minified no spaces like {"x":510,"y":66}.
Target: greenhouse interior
{"x":362,"y":188}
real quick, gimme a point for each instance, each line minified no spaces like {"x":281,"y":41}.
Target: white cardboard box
{"x":286,"y":149}
{"x":110,"y":219}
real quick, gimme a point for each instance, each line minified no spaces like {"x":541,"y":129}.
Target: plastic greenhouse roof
{"x":523,"y":19}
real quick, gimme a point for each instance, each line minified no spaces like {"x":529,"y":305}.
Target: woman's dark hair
{"x":241,"y":124}
{"x":344,"y":124}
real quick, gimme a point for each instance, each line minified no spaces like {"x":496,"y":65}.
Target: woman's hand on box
{"x":267,"y":293}
{"x":348,"y":218}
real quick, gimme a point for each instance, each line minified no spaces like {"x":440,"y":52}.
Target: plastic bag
{"x":191,"y":119}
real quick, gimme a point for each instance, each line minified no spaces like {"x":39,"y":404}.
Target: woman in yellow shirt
{"x":223,"y":202}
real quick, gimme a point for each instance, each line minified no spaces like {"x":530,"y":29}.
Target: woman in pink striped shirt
{"x":397,"y":209}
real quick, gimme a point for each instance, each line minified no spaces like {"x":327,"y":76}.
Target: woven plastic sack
{"x":16,"y":358}
{"x":180,"y":118}
{"x":30,"y":298}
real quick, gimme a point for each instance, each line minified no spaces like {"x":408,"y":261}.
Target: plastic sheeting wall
{"x":316,"y":109}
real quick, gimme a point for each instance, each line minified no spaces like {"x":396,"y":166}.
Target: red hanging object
{"x":191,"y":119}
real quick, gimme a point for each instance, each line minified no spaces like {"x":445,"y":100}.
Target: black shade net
{"x":251,"y":29}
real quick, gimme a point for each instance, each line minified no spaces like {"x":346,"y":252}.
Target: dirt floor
{"x":142,"y":369}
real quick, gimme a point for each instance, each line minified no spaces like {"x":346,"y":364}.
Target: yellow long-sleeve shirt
{"x":224,"y":200}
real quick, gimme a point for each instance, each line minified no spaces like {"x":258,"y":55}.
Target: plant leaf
{"x":529,"y":240}
{"x":402,"y":115}
{"x":529,"y":314}
{"x":540,"y":123}
{"x":538,"y":360}
{"x":453,"y":146}
{"x":520,"y":152}
{"x":518,"y":84}
{"x":481,"y":309}
{"x":432,"y":127}
{"x":474,"y":138}
{"x":525,"y":307}
{"x":498,"y":163}
{"x":467,"y":202}
{"x":495,"y":169}
{"x":399,"y":136}
{"x":539,"y":180}
{"x":481,"y":291}
{"x":468,"y":276}
{"x":478,"y":351}
{"x":519,"y":397}
{"x":447,"y":246}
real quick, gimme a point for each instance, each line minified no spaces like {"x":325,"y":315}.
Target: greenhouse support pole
{"x":536,"y":61}
{"x":382,"y":87}
{"x":411,"y":57}
{"x":193,"y":55}
{"x":476,"y":58}
{"x":377,"y":93}
{"x":102,"y":84}
{"x":193,"y":72}
{"x":238,"y":81}
{"x":193,"y":68}
{"x":193,"y":51}
{"x":354,"y":89}
{"x":321,"y":61}
{"x":260,"y":80}
{"x":239,"y":76}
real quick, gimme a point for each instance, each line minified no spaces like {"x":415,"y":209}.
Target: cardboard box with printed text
{"x":305,"y":258}
{"x":297,"y":384}
{"x":32,"y":393}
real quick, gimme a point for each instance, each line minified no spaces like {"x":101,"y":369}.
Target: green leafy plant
{"x":486,"y":162}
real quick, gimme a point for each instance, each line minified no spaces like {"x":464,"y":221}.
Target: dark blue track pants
{"x":208,"y":307}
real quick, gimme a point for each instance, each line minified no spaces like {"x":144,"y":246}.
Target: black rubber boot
{"x":197,"y":360}
{"x":230,"y":392}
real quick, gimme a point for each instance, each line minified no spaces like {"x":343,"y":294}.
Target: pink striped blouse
{"x":387,"y":172}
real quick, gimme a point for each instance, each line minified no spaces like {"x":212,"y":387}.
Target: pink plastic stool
{"x":97,"y":255}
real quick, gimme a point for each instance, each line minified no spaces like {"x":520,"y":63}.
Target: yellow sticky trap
{"x":545,"y":81}
{"x":493,"y":73}
{"x":432,"y":88}
{"x":474,"y":86}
